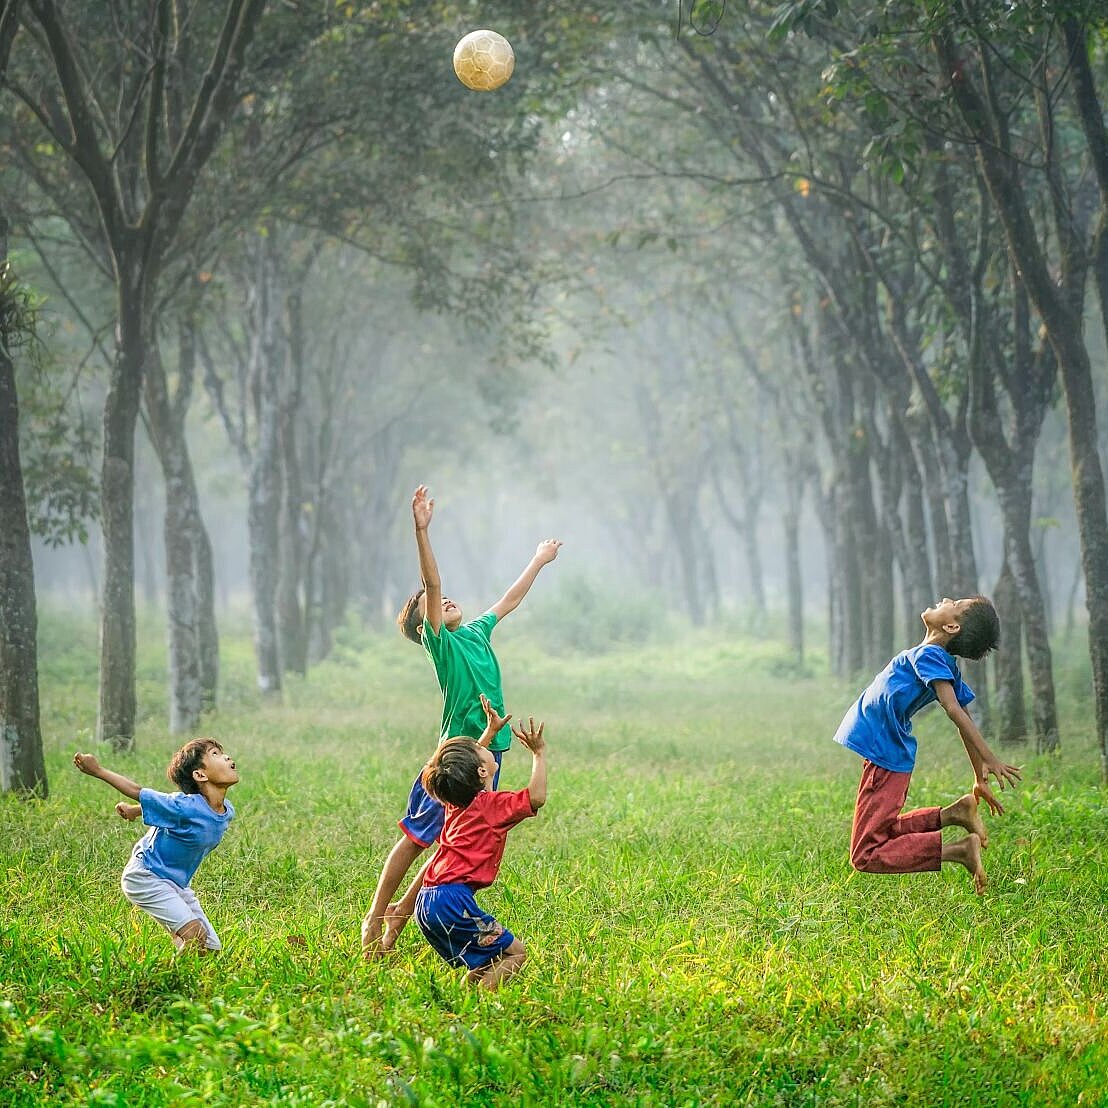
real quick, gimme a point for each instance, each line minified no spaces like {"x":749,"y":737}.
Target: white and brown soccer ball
{"x":484,"y":60}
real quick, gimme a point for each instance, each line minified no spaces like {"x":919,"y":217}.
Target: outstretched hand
{"x":423,"y":507}
{"x":495,"y":720}
{"x":547,"y":550}
{"x":982,"y":791}
{"x":1004,"y":773}
{"x":531,"y":738}
{"x":86,"y":763}
{"x":128,"y":811}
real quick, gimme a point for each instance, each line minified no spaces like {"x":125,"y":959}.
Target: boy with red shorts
{"x":878,"y":727}
{"x":461,"y":776}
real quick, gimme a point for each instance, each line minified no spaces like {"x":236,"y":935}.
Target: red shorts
{"x":886,"y":841}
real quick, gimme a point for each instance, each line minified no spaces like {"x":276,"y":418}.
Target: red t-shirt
{"x":471,"y":843}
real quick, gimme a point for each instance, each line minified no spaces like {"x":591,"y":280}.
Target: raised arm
{"x":86,"y":763}
{"x":534,"y":741}
{"x":495,"y":722}
{"x":545,"y":552}
{"x":985,"y":763}
{"x":422,"y":509}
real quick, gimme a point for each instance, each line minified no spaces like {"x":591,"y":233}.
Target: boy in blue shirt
{"x":185,"y":827}
{"x":878,"y":727}
{"x":467,"y":669}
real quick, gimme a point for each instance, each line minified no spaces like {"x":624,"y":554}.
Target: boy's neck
{"x":215,"y":796}
{"x":937,"y":637}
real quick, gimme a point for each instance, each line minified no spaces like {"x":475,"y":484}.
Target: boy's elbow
{"x":537,"y":800}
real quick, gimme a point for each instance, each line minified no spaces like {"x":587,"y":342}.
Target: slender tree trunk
{"x":794,"y":577}
{"x":685,"y":543}
{"x":262,"y":519}
{"x":116,"y":715}
{"x":290,"y":617}
{"x":184,"y":532}
{"x":1019,"y":558}
{"x":1011,"y":718}
{"x":919,"y":587}
{"x":22,"y":766}
{"x":850,"y":577}
{"x":207,"y":629}
{"x":291,"y":628}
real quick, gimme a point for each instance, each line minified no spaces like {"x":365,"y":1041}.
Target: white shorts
{"x":171,"y":905}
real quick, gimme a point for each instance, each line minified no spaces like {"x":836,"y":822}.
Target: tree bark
{"x":794,"y":576}
{"x":266,"y":369}
{"x":1063,"y":326}
{"x":289,"y":608}
{"x":115,"y":723}
{"x":190,"y":615}
{"x":22,"y":765}
{"x":1011,"y":718}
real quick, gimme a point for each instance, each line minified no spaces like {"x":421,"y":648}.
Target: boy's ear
{"x":199,"y":776}
{"x":952,"y":627}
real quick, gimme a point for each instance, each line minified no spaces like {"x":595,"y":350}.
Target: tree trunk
{"x":207,"y":629}
{"x":262,"y":518}
{"x":115,"y":722}
{"x":291,"y":629}
{"x":290,"y":616}
{"x":1016,"y":508}
{"x":22,"y":766}
{"x":1011,"y":718}
{"x":1063,"y":327}
{"x":185,"y":538}
{"x":794,"y":577}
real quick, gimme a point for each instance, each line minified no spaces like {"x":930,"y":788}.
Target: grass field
{"x":696,"y":934}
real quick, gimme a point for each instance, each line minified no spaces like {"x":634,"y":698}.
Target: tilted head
{"x":459,"y":770}
{"x":971,"y":623}
{"x":200,"y":761}
{"x":411,"y":616}
{"x":410,"y":619}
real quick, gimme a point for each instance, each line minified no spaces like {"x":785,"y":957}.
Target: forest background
{"x":788,"y":318}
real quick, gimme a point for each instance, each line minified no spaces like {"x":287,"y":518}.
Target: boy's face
{"x":217,"y":768}
{"x":487,"y":770}
{"x":451,"y":613}
{"x":946,"y":615}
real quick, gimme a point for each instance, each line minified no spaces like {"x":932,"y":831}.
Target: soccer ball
{"x":483,"y":60}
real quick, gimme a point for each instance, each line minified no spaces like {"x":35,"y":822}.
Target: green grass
{"x":696,"y":933}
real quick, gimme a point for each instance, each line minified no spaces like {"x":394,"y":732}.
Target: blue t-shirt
{"x":879,"y":723}
{"x":184,"y":830}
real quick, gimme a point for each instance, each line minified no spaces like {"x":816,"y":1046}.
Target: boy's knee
{"x":861,"y":856}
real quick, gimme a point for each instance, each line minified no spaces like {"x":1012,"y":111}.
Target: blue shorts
{"x":422,"y":822}
{"x":454,"y":924}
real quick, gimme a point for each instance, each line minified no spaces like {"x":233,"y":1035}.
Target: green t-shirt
{"x":466,"y":667}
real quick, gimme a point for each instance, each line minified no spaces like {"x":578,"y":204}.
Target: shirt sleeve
{"x":935,"y":664}
{"x":483,"y":625}
{"x":435,"y":643}
{"x":161,"y":809}
{"x":505,"y":809}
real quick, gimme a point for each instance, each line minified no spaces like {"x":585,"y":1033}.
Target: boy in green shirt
{"x":467,"y":669}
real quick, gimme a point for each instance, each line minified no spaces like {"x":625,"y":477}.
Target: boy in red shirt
{"x":471,"y":846}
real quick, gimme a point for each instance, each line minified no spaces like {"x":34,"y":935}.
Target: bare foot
{"x":964,"y":813}
{"x":371,"y":938}
{"x":967,"y":852}
{"x":395,"y":921}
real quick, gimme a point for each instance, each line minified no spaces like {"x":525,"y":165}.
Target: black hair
{"x":451,"y":775}
{"x":409,"y":620}
{"x":979,"y":631}
{"x":188,"y":759}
